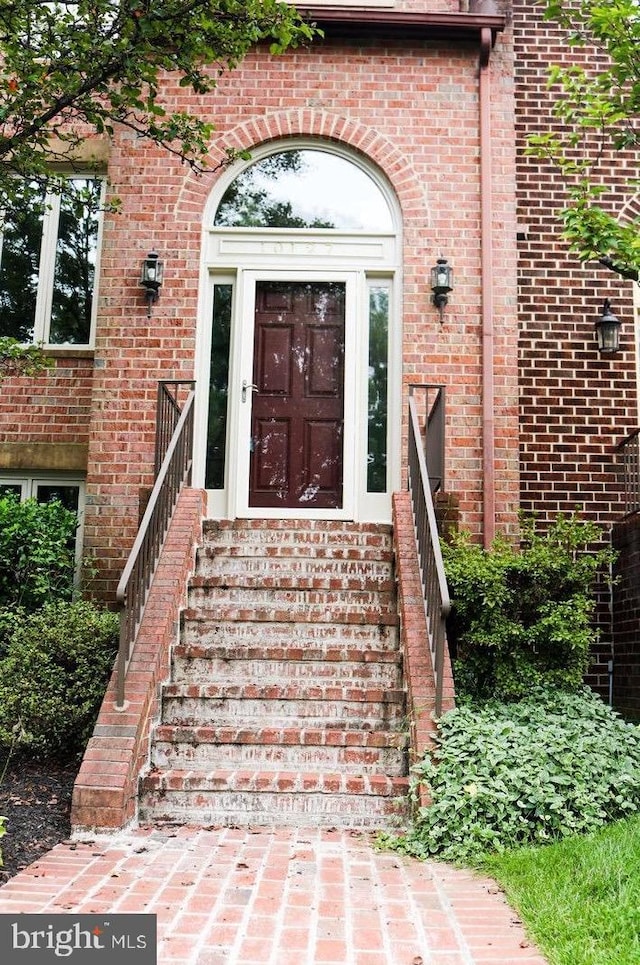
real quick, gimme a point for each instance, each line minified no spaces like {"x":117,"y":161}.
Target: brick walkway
{"x":279,"y":897}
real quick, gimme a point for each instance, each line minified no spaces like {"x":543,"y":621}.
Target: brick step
{"x":300,"y":574}
{"x":291,"y":748}
{"x":347,"y":552}
{"x":272,"y":798}
{"x":194,"y":664}
{"x":311,"y":640}
{"x":281,"y":706}
{"x":244,"y":585}
{"x":219,"y":607}
{"x":300,"y":531}
{"x":308,"y":615}
{"x":227,"y":593}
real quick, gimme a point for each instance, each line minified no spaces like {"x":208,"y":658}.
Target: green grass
{"x":580,"y":898}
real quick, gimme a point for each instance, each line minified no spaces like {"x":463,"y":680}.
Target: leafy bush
{"x":53,"y":677}
{"x":507,"y":774}
{"x":522,"y":616}
{"x":37,"y":552}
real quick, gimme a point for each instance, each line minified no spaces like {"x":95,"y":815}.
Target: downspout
{"x":488,"y":389}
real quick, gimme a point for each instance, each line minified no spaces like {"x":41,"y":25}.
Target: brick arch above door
{"x":323,"y":125}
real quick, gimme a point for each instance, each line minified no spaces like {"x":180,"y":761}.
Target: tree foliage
{"x":71,"y":68}
{"x":597,"y":116}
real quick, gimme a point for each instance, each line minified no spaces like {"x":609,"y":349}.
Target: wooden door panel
{"x":273,"y":373}
{"x":324,"y":377}
{"x":271,"y":472}
{"x":298,"y":406}
{"x":324,"y":466}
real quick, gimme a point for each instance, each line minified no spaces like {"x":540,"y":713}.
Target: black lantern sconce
{"x":608,"y":330}
{"x":441,"y":284}
{"x":151,"y":278}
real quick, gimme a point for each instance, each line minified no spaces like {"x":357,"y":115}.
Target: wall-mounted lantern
{"x":608,"y":330}
{"x":151,"y":278}
{"x":441,"y":284}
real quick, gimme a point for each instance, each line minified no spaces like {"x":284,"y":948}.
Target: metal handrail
{"x":135,"y":582}
{"x":434,"y":583}
{"x":433,"y":429}
{"x":168,"y":414}
{"x":630,"y":449}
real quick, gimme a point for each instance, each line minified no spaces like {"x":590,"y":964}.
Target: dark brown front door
{"x":297,"y":417}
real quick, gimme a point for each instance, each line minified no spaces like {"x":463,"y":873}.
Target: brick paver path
{"x":279,"y":897}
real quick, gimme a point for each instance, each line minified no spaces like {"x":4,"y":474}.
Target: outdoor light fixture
{"x":608,"y":330}
{"x":151,"y":278}
{"x":441,"y":284}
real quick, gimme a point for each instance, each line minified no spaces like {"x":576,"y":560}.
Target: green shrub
{"x":37,"y":552}
{"x":508,"y":774}
{"x":522,"y":616}
{"x":53,"y":677}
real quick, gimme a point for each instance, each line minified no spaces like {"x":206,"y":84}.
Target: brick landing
{"x":279,"y":897}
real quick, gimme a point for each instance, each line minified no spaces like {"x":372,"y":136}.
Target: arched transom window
{"x":304,"y":188}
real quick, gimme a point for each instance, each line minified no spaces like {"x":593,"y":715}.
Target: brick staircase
{"x":286,"y":703}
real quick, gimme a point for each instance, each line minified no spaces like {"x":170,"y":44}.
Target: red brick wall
{"x":54,"y":407}
{"x":411,"y":106}
{"x":575,"y":406}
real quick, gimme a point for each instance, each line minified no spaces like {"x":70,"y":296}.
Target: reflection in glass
{"x":378,"y":385}
{"x":67,"y":495}
{"x":19,"y":264}
{"x":304,"y":189}
{"x":75,"y":266}
{"x":218,"y":386}
{"x":10,"y":489}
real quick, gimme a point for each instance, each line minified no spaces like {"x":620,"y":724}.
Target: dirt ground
{"x":35,"y":799}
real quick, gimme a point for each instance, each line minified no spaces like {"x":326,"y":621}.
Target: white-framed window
{"x":45,"y":488}
{"x":49,"y":246}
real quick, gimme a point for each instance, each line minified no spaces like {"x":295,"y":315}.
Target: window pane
{"x":67,"y":495}
{"x":7,"y":488}
{"x":304,"y":189}
{"x":19,"y":265}
{"x":75,"y":266}
{"x":378,"y":384}
{"x":218,"y":386}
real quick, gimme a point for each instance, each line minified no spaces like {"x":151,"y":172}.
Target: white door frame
{"x":240,"y":256}
{"x":240,"y":407}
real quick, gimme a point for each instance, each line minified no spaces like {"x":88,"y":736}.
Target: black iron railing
{"x":434,"y":584}
{"x":135,"y":583}
{"x":172,"y":395}
{"x":630,"y":449}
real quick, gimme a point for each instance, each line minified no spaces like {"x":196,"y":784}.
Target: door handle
{"x":247,"y":387}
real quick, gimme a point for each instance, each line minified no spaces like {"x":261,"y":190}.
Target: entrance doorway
{"x":297,"y":414}
{"x":299,"y":361}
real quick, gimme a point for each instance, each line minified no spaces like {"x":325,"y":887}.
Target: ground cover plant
{"x":506,"y":774}
{"x":580,"y":898}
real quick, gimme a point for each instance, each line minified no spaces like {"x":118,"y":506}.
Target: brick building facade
{"x":429,"y":101}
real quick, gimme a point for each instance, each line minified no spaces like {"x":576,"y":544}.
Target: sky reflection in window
{"x":304,"y":189}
